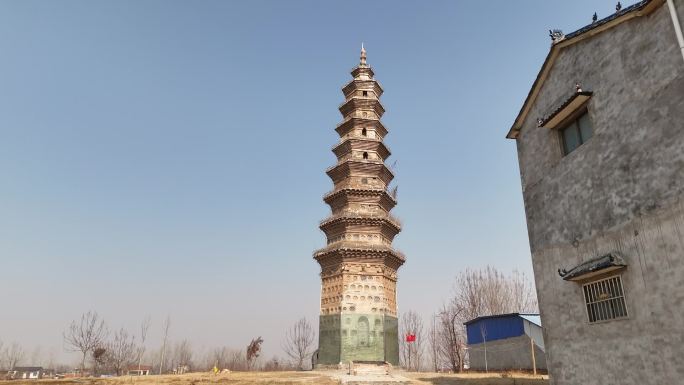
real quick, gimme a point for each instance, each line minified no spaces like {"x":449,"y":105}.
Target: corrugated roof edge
{"x":647,"y":6}
{"x":535,"y":319}
{"x":499,"y":316}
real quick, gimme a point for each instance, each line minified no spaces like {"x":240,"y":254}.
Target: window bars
{"x":605,"y":299}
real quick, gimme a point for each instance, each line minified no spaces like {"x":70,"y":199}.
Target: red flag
{"x":410,"y":337}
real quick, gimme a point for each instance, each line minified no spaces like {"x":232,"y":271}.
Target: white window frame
{"x":607,"y":283}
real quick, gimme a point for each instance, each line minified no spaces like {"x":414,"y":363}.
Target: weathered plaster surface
{"x":622,"y":191}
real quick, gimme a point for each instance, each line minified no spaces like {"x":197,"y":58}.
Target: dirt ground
{"x":285,"y":378}
{"x":476,"y":379}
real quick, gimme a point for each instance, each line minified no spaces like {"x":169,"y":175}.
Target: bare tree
{"x":121,"y":351}
{"x":144,"y":328}
{"x":299,"y":342}
{"x":86,"y":335}
{"x":36,"y":355}
{"x":488,"y":291}
{"x":433,"y":341}
{"x":99,"y":355}
{"x":479,"y":293}
{"x":411,"y":351}
{"x":451,"y":337}
{"x":14,"y":355}
{"x":182,"y":356}
{"x":165,"y":327}
{"x":219,"y":357}
{"x":2,"y":355}
{"x":275,"y":364}
{"x":237,"y":360}
{"x":253,"y":351}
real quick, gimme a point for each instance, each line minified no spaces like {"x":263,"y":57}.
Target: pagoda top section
{"x":363,"y":71}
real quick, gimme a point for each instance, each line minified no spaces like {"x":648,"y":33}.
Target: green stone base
{"x":358,"y":337}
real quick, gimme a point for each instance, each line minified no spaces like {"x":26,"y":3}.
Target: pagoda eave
{"x":360,"y":168}
{"x":356,"y":103}
{"x":361,"y":143}
{"x":356,"y":84}
{"x":361,"y":219}
{"x":363,"y":69}
{"x":341,"y":253}
{"x":383,"y":197}
{"x":351,"y":123}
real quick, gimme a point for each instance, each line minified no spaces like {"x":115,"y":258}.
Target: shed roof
{"x":523,"y":315}
{"x":28,"y":368}
{"x":641,"y":8}
{"x":533,"y":318}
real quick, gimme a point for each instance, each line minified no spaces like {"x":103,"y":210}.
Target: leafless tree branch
{"x":86,"y":335}
{"x":299,"y":341}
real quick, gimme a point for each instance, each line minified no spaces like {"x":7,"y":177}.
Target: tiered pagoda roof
{"x":361,"y":223}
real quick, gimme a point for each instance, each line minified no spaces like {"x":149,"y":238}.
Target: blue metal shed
{"x":511,"y":341}
{"x":496,"y":327}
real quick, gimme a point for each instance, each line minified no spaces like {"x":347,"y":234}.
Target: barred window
{"x":605,"y":299}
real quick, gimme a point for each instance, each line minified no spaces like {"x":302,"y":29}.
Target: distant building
{"x":600,"y":142}
{"x":142,"y":370}
{"x":29,"y":373}
{"x":506,"y":342}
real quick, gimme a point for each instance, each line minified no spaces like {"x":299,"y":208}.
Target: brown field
{"x":476,"y":379}
{"x":285,"y":378}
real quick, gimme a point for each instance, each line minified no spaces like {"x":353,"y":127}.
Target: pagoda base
{"x":358,"y":337}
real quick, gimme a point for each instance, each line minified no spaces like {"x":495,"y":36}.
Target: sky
{"x":167,"y":157}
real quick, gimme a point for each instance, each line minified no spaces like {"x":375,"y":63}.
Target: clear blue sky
{"x":168,"y":156}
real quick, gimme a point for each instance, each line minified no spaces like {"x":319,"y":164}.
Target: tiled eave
{"x":358,"y":70}
{"x":593,"y":267}
{"x":358,"y":84}
{"x":348,"y":219}
{"x":639,"y":9}
{"x":360,"y":168}
{"x":361,"y":143}
{"x":351,"y":123}
{"x":356,"y":103}
{"x":350,"y":250}
{"x":386,"y":200}
{"x":566,"y":109}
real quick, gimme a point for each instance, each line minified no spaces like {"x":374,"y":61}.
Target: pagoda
{"x":358,"y":319}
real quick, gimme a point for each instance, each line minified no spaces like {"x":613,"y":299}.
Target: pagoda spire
{"x":363,"y":56}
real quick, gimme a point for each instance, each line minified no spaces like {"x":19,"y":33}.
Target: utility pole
{"x":483,"y":331}
{"x":167,"y":323}
{"x":534,"y":361}
{"x":409,"y":349}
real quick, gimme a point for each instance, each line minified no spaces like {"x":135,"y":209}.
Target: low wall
{"x":513,"y":353}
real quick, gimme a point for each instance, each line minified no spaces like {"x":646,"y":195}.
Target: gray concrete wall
{"x":508,"y":354}
{"x":619,"y":192}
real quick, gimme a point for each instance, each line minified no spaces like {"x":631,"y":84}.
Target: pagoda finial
{"x":363,"y":55}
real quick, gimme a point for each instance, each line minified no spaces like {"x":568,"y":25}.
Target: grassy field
{"x":283,"y":378}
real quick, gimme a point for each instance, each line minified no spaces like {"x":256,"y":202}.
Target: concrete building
{"x":600,"y":143}
{"x":506,"y":342}
{"x":358,"y":320}
{"x":139,"y":370}
{"x":29,"y":373}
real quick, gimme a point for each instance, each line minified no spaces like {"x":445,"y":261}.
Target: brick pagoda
{"x":358,"y":320}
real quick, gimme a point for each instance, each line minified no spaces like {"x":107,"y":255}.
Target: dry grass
{"x":287,"y":378}
{"x":477,"y":379}
{"x":235,"y":378}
